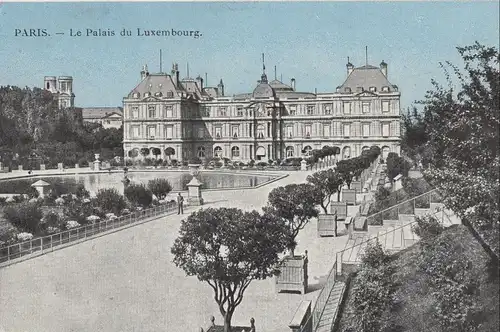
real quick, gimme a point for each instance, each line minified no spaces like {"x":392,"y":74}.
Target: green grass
{"x":413,"y":308}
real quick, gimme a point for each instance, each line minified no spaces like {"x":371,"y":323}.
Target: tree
{"x":462,"y":129}
{"x":396,"y":165}
{"x":326,"y":183}
{"x":138,"y":194}
{"x":228,"y":248}
{"x":160,"y":187}
{"x":109,"y":200}
{"x":294,"y":205}
{"x":25,"y":216}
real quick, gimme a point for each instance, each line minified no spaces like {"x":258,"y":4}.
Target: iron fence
{"x":408,"y":206}
{"x":48,"y":243}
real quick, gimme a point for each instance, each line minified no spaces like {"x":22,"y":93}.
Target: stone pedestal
{"x":60,"y":166}
{"x":40,"y":186}
{"x":20,"y":167}
{"x":293,"y":275}
{"x":194,"y":192}
{"x":300,"y":321}
{"x":356,"y":185}
{"x":97,"y":165}
{"x":42,"y":167}
{"x":303,"y":165}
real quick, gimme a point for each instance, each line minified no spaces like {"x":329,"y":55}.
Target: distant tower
{"x":383,"y":68}
{"x":199,"y":82}
{"x":66,"y":96}
{"x":50,"y":84}
{"x":350,"y":67}
{"x":220,"y":88}
{"x":144,"y":72}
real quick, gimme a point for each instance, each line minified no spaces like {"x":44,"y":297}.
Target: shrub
{"x":261,"y":164}
{"x":427,"y":228}
{"x":109,"y":200}
{"x":374,"y":256}
{"x":24,"y":216}
{"x":195,"y":160}
{"x":81,"y":192}
{"x":83,"y":162}
{"x":174,"y":162}
{"x":138,"y":194}
{"x":50,"y":219}
{"x":160,"y":187}
{"x":251,"y":163}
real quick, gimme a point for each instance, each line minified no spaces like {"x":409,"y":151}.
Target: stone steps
{"x":332,"y":307}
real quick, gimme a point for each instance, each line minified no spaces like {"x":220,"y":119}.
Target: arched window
{"x":235,"y":151}
{"x":218,"y":152}
{"x":307,"y":150}
{"x":201,"y":152}
{"x":346,"y":152}
{"x":48,"y":85}
{"x":289,"y":151}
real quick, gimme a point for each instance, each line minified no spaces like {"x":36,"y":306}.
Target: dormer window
{"x":347,"y":90}
{"x":373,"y":89}
{"x":385,"y":89}
{"x":147,"y":94}
{"x":158,"y":94}
{"x":137,"y":95}
{"x":359,"y":89}
{"x":170,"y":94}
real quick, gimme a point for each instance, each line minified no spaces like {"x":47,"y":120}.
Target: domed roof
{"x":263,"y":90}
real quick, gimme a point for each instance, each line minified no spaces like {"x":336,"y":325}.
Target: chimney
{"x":383,"y":68}
{"x":199,"y":82}
{"x":175,"y":74}
{"x":350,"y":67}
{"x":144,"y":72}
{"x":292,"y":83}
{"x":220,"y":89}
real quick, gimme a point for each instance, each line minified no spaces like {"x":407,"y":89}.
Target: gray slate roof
{"x":154,"y":83}
{"x":100,"y":112}
{"x":366,"y":77}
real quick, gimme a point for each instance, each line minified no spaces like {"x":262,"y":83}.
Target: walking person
{"x":180,"y":203}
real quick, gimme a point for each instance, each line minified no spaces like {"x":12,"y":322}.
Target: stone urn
{"x":194,"y":169}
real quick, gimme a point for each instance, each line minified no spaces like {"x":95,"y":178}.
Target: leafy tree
{"x":160,"y":187}
{"x":326,"y":183}
{"x":138,"y":194}
{"x":25,"y":216}
{"x":462,"y":131}
{"x":295,"y":205}
{"x":396,"y":165}
{"x":228,"y":248}
{"x":109,"y":200}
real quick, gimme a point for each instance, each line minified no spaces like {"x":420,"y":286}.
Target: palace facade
{"x":170,"y":117}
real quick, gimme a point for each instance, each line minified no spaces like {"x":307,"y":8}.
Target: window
{"x":310,"y":109}
{"x":385,"y":129}
{"x":385,"y":106}
{"x":327,"y":109}
{"x":235,"y":151}
{"x":201,"y":152}
{"x":137,"y":95}
{"x":169,"y":111}
{"x":218,"y":152}
{"x":366,"y":129}
{"x":307,"y":131}
{"x":289,"y":131}
{"x":201,"y":132}
{"x":218,"y":132}
{"x":293,"y":109}
{"x":152,"y":111}
{"x":48,"y":85}
{"x":169,"y":130}
{"x":347,"y":108}
{"x":135,"y":112}
{"x":152,"y":132}
{"x":347,"y":90}
{"x":170,"y":94}
{"x":366,"y":108}
{"x":307,"y":150}
{"x":385,"y":89}
{"x":373,"y":89}
{"x":326,"y":131}
{"x":135,"y":132}
{"x":250,"y":129}
{"x":235,"y":130}
{"x":269,"y":129}
{"x":222,"y":111}
{"x":205,"y":111}
{"x":261,"y":131}
{"x":239,"y":111}
{"x":347,"y":129}
{"x":289,"y":151}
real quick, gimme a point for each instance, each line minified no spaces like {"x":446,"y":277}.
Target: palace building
{"x":165,"y":116}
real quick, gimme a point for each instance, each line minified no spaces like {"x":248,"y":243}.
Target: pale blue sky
{"x":309,"y":41}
